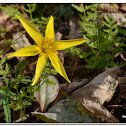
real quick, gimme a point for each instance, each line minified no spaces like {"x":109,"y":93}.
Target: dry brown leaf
{"x":3,"y":17}
{"x":20,"y":41}
{"x":74,"y":84}
{"x":96,"y":92}
{"x":58,"y":36}
{"x":32,"y":65}
{"x":74,"y":30}
{"x":108,"y":8}
{"x":123,"y":7}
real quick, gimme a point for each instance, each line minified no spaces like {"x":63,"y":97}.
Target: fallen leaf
{"x":74,"y":84}
{"x":123,"y":7}
{"x":20,"y":41}
{"x":58,"y":36}
{"x":32,"y":65}
{"x":96,"y":92}
{"x":74,"y":30}
{"x":3,"y":17}
{"x":67,"y":111}
{"x":108,"y":8}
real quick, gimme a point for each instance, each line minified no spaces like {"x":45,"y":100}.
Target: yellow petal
{"x":57,"y":64}
{"x":49,"y":34}
{"x":64,"y":44}
{"x":27,"y":51}
{"x":39,"y":67}
{"x":32,"y":31}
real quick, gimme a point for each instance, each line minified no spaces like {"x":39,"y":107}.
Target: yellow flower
{"x":46,"y":47}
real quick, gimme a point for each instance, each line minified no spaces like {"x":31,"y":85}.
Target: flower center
{"x":47,"y":46}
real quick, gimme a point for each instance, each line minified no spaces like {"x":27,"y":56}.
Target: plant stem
{"x":40,"y":97}
{"x":21,"y":114}
{"x":6,"y":80}
{"x":84,"y":12}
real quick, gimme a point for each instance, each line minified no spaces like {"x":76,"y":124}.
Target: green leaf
{"x":6,"y":107}
{"x":1,"y":72}
{"x":29,"y":103}
{"x":87,"y":7}
{"x":91,"y":16}
{"x":107,"y":24}
{"x":1,"y":91}
{"x":67,"y":111}
{"x":18,"y":107}
{"x":2,"y":61}
{"x":1,"y":52}
{"x":8,"y":41}
{"x":107,"y":30}
{"x":21,"y":66}
{"x":80,"y":9}
{"x":11,"y":11}
{"x":93,"y":45}
{"x":46,"y":117}
{"x":10,"y":92}
{"x":1,"y":101}
{"x":94,"y":9}
{"x":48,"y":92}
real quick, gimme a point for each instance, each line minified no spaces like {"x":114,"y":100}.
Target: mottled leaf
{"x":67,"y":111}
{"x":48,"y":91}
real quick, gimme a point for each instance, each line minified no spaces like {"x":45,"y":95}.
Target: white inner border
{"x":62,"y":1}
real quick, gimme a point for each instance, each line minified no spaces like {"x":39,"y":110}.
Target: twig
{"x":21,"y":9}
{"x":75,"y":65}
{"x":24,"y":118}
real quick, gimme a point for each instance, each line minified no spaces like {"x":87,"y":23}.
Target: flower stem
{"x":40,"y":97}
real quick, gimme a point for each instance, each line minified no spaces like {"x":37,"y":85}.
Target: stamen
{"x":56,"y":52}
{"x":50,"y":47}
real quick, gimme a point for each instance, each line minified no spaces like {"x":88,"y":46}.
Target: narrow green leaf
{"x":6,"y":107}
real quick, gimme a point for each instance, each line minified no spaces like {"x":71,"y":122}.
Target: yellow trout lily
{"x":46,"y":47}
